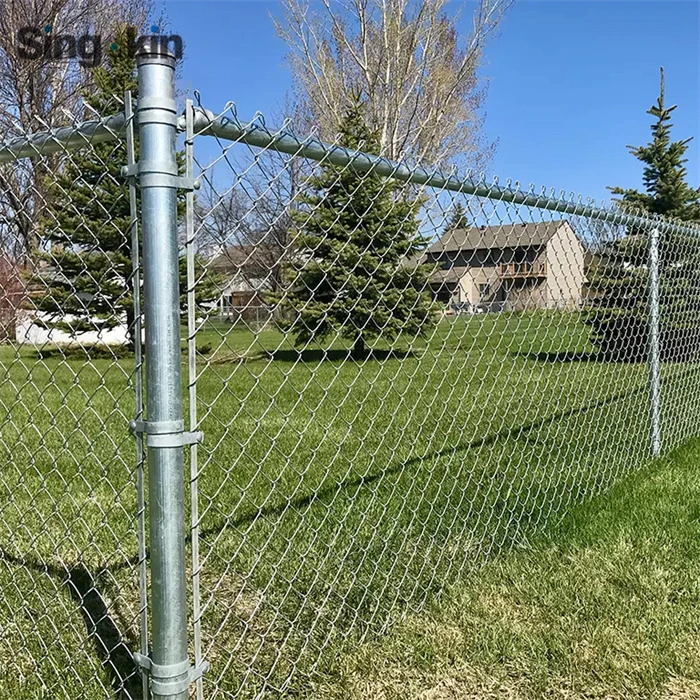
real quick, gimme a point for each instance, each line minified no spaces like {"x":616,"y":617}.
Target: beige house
{"x":513,"y":266}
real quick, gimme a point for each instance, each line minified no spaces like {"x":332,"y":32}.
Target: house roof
{"x":234,"y":256}
{"x":501,"y":236}
{"x":450,"y":276}
{"x":251,"y":258}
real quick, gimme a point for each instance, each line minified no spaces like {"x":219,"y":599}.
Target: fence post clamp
{"x":157,"y":175}
{"x":172,"y":679}
{"x":169,"y":433}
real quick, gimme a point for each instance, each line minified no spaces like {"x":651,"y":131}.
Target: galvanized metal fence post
{"x":138,"y":383}
{"x":163,"y":430}
{"x":192,"y":384}
{"x":654,"y":351}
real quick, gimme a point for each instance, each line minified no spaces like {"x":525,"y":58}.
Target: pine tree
{"x":87,"y":277}
{"x":88,"y":220}
{"x":353,"y":235}
{"x":619,"y":314}
{"x":458,"y":219}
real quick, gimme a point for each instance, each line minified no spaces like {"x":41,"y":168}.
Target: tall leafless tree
{"x":41,"y":89}
{"x":247,"y":228}
{"x":406,"y":59}
{"x":12,"y":296}
{"x":42,"y":92}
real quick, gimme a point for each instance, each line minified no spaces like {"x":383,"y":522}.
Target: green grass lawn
{"x":602,"y":605}
{"x":336,"y":497}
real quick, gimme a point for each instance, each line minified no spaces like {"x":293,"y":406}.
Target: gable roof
{"x":451,"y":275}
{"x":248,"y":258}
{"x":501,"y":236}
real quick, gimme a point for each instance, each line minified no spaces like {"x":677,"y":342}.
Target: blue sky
{"x":570,"y":80}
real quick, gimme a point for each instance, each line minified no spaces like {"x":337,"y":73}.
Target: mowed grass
{"x":335,"y":496}
{"x":602,"y":605}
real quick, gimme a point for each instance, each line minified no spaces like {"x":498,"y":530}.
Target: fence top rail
{"x":256,"y":133}
{"x":64,"y":138}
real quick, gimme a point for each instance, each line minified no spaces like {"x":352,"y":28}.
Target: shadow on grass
{"x":84,"y":353}
{"x":562,"y":356}
{"x":520,"y":431}
{"x":111,"y":646}
{"x":337,"y":355}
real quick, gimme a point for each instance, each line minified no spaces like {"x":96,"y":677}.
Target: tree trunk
{"x":131,"y":338}
{"x":8,"y":326}
{"x":359,"y":351}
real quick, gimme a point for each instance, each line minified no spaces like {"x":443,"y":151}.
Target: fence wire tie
{"x":171,"y":679}
{"x":169,"y":433}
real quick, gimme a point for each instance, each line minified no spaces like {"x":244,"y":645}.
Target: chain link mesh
{"x":399,"y":374}
{"x":398,"y":381}
{"x":70,"y":606}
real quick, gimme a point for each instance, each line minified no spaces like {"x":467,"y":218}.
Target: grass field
{"x":335,"y":496}
{"x":602,"y":605}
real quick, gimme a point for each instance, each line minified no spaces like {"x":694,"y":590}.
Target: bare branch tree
{"x":248,"y":230}
{"x":406,"y":60}
{"x":12,"y":296}
{"x":42,"y":89}
{"x":41,"y":92}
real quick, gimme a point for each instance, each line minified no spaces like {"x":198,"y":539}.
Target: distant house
{"x":243,"y":274}
{"x":513,"y":266}
{"x":42,"y":328}
{"x":250,"y":273}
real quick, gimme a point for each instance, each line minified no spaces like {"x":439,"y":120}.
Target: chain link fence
{"x":71,"y":605}
{"x":399,"y":372}
{"x":454,"y":363}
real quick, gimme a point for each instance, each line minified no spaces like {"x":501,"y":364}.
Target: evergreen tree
{"x":87,"y":278}
{"x":458,"y":219}
{"x":619,"y":284}
{"x":88,"y":220}
{"x":353,"y":235}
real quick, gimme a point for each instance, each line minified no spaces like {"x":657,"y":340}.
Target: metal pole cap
{"x":155,"y":49}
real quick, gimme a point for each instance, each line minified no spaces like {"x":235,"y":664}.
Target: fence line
{"x":87,"y":133}
{"x":361,"y":452}
{"x":111,"y":128}
{"x":282,"y":141}
{"x":584,"y":419}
